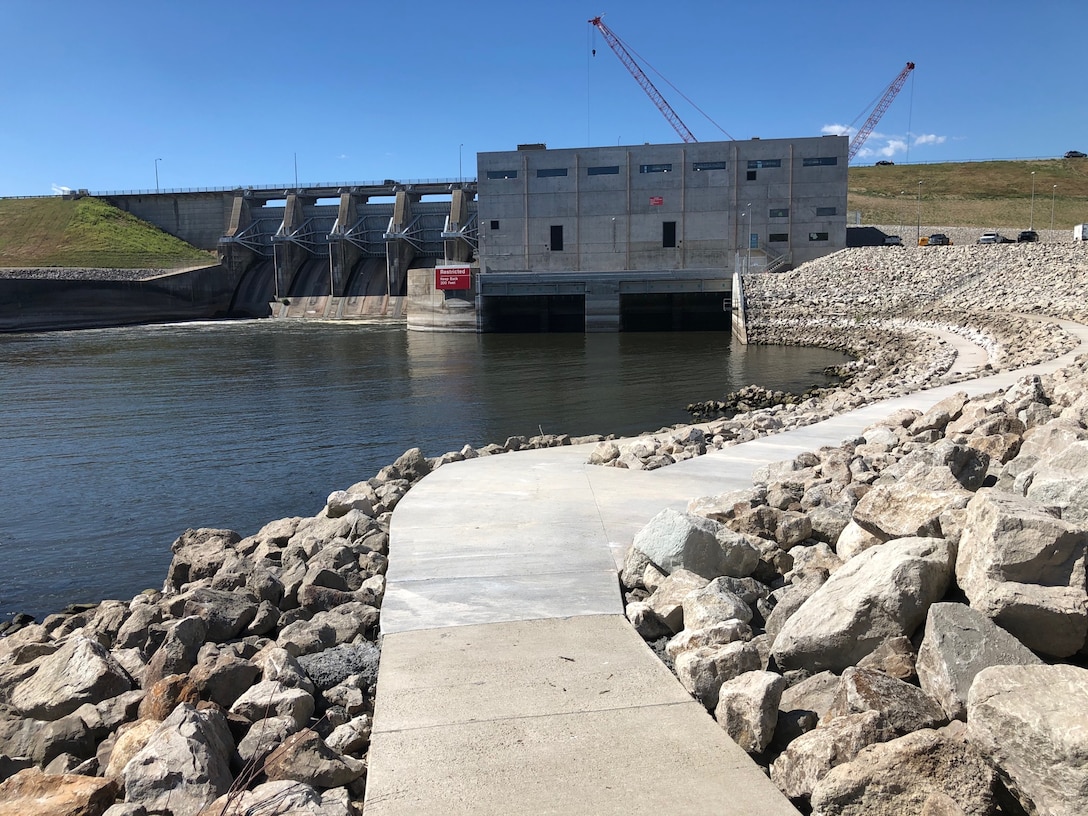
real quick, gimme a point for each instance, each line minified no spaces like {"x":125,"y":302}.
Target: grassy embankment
{"x":972,"y":194}
{"x":89,"y":233}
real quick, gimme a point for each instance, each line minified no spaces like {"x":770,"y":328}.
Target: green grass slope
{"x":86,"y":232}
{"x":972,"y":194}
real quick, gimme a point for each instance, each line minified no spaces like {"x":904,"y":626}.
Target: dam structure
{"x":598,"y":239}
{"x":319,"y":251}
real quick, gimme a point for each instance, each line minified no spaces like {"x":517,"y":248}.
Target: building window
{"x":780,"y":213}
{"x":494,"y":225}
{"x":611,"y":170}
{"x":817,"y":236}
{"x":708,"y":165}
{"x":557,"y":238}
{"x":778,"y":238}
{"x":759,"y":164}
{"x":827,"y":211}
{"x":820,"y":161}
{"x":502,"y":174}
{"x":751,"y":175}
{"x":551,"y":172}
{"x":655,"y":168}
{"x":668,"y":233}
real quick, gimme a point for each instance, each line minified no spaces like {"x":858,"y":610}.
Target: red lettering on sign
{"x":453,"y":277}
{"x":656,"y":201}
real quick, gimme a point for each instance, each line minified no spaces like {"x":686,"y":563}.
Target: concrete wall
{"x":34,"y":304}
{"x":431,"y":309}
{"x":201,"y":219}
{"x":613,"y":204}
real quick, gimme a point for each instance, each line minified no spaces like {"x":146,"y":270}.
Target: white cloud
{"x":59,"y":189}
{"x":929,"y":138}
{"x":837,"y":130}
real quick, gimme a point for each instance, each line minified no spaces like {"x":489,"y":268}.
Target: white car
{"x":991,"y":238}
{"x":893,"y":240}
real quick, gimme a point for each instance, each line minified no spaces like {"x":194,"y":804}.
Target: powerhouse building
{"x":650,"y":229}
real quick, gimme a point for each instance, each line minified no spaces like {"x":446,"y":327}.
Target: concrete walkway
{"x":510,"y":681}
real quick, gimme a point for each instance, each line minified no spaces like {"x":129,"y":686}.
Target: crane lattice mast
{"x":881,"y":107}
{"x":617,"y":46}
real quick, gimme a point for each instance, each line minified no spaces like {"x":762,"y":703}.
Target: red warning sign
{"x":453,"y":277}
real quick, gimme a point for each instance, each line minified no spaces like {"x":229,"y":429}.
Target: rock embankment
{"x":246,"y":682}
{"x":893,"y":309}
{"x":898,"y":624}
{"x":73,"y":273}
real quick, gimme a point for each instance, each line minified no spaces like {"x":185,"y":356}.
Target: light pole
{"x":1053,"y":192}
{"x":918,"y":234}
{"x":460,"y":175}
{"x":899,"y":207}
{"x":748,"y":262}
{"x":1031,"y":217}
{"x":157,"y":174}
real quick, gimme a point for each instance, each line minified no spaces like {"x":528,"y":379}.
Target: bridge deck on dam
{"x":510,"y":681}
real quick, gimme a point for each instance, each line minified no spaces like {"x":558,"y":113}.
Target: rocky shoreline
{"x":820,"y":615}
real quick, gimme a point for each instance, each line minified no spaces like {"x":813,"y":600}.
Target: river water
{"x":117,"y":440}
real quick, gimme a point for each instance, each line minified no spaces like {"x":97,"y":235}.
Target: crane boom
{"x":644,"y":81}
{"x":881,"y":107}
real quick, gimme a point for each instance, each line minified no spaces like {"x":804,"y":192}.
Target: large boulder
{"x":185,"y":764}
{"x":667,"y":602}
{"x":883,"y":592}
{"x":905,"y":509}
{"x":673,"y":540}
{"x":1025,"y":568}
{"x":1032,"y":723}
{"x":919,"y":773}
{"x":333,"y":666}
{"x":905,"y":707}
{"x":748,"y":708}
{"x":304,"y":757}
{"x":199,"y":554}
{"x":33,"y":791}
{"x":811,"y":756}
{"x":288,"y":798}
{"x":702,"y":671}
{"x":81,"y":671}
{"x":1062,"y":481}
{"x":960,"y":642}
{"x":270,"y":698}
{"x":178,"y":651}
{"x":712,"y":604}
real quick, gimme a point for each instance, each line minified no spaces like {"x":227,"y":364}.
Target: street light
{"x":157,"y":174}
{"x":460,"y":175}
{"x":1031,"y":218}
{"x":899,"y":207}
{"x":1053,"y":193}
{"x":918,"y":234}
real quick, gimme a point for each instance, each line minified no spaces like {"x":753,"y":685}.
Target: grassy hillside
{"x":973,"y":194}
{"x":86,"y":233}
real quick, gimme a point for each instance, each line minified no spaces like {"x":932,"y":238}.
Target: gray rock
{"x":286,"y":797}
{"x":222,"y":675}
{"x":712,"y":604}
{"x":199,"y":554}
{"x":1062,"y":481}
{"x":905,"y":708}
{"x":702,"y":671}
{"x":811,"y":756}
{"x":883,"y":592}
{"x":81,"y":671}
{"x":1025,"y":569}
{"x":269,"y":698}
{"x":960,"y":642}
{"x":917,"y":773}
{"x":894,"y":657}
{"x":674,"y":540}
{"x":667,"y":601}
{"x":333,"y":666}
{"x":185,"y":764}
{"x":904,"y":510}
{"x":803,"y":706}
{"x":304,"y":757}
{"x":264,"y":736}
{"x":717,"y":634}
{"x":178,"y":651}
{"x":1030,"y":722}
{"x":748,"y":708}
{"x":225,"y":613}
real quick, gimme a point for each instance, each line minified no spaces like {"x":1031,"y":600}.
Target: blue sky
{"x":238,"y":92}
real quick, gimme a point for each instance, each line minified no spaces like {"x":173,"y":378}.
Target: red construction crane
{"x":618,"y":47}
{"x":885,"y":102}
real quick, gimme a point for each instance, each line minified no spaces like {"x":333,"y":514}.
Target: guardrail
{"x":289,"y":186}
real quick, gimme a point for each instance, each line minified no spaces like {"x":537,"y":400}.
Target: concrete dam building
{"x":645,"y":237}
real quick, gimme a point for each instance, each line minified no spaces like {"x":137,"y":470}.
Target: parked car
{"x":1075,"y":154}
{"x":1027,"y":237}
{"x":893,"y":240}
{"x":884,"y":163}
{"x":939,"y":239}
{"x":990,"y":238}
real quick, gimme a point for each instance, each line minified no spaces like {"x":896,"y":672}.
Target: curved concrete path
{"x":510,"y":681}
